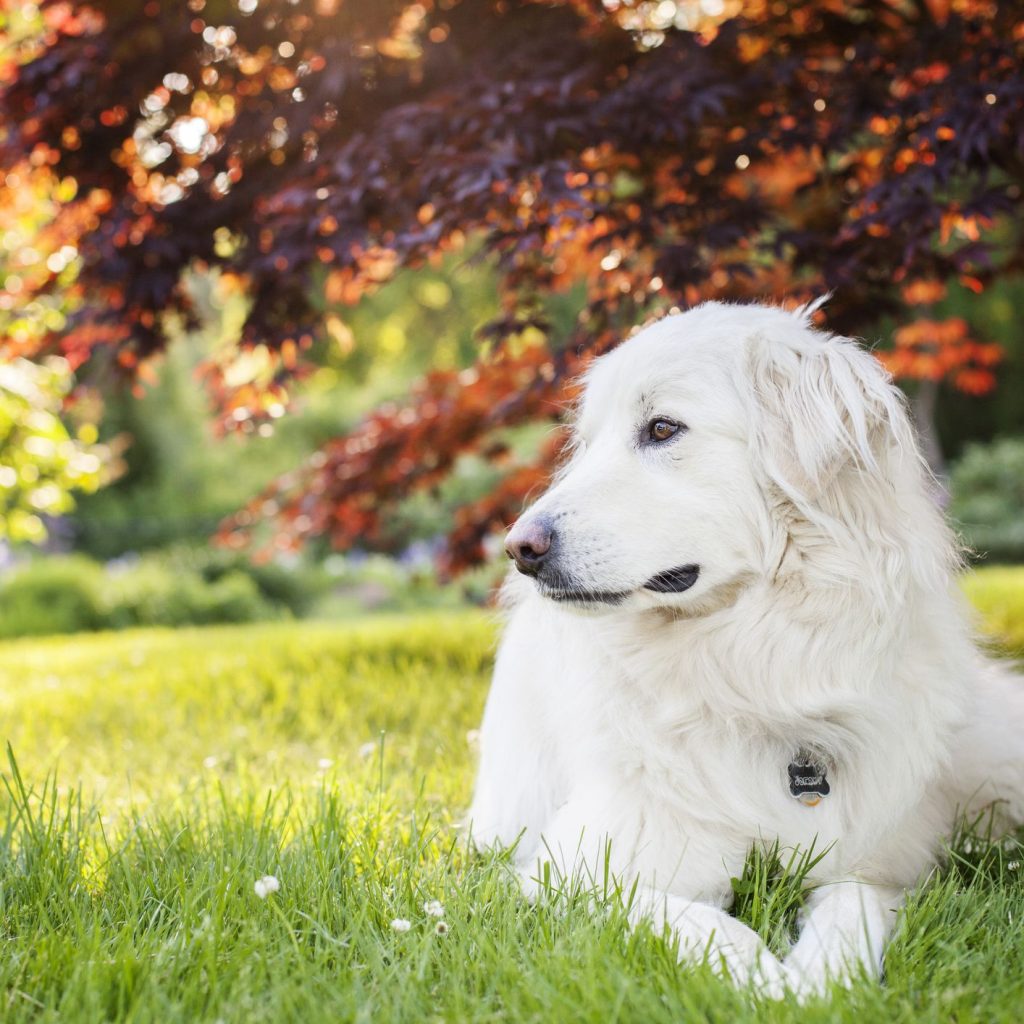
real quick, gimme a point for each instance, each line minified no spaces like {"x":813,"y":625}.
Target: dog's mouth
{"x":577,"y":595}
{"x":674,"y":581}
{"x":671,"y":581}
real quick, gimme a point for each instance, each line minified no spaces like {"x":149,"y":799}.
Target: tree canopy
{"x":658,"y":153}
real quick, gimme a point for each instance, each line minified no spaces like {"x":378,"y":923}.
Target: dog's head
{"x":698,"y":443}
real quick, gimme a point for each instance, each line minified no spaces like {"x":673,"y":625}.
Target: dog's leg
{"x":843,"y":935}
{"x":706,"y":933}
{"x":570,"y":856}
{"x":520,"y":781}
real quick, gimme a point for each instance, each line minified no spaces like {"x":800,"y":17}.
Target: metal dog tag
{"x":807,"y":779}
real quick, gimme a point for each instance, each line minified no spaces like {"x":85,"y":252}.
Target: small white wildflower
{"x":400,"y":925}
{"x":266,"y":885}
{"x":367,"y":750}
{"x":435,"y":908}
{"x":210,"y":762}
{"x":473,"y":737}
{"x":1013,"y":865}
{"x":441,"y":928}
{"x":324,"y":763}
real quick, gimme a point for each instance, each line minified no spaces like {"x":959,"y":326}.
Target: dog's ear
{"x":821,"y":404}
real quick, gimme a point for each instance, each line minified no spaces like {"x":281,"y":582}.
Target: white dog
{"x":737,"y":624}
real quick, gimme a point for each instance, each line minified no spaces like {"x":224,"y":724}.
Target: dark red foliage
{"x":872,"y":148}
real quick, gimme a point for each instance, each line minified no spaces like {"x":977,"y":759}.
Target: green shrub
{"x":152,"y":594}
{"x":53,"y":595}
{"x":381,"y":584}
{"x":295,"y":587}
{"x":987,"y":488}
{"x":187,"y":585}
{"x":235,"y":597}
{"x":75,"y":594}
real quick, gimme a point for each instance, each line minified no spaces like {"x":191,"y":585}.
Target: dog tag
{"x":807,"y":781}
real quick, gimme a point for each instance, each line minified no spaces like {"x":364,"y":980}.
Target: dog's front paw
{"x":783,"y":981}
{"x":766,"y":978}
{"x":812,"y":979}
{"x":748,"y":965}
{"x":530,"y":885}
{"x":777,"y":980}
{"x":806,"y":981}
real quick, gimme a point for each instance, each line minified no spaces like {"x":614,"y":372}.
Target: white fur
{"x":656,"y":733}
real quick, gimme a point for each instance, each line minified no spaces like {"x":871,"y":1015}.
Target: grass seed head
{"x":265,"y":886}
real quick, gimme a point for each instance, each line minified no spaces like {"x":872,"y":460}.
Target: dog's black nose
{"x":528,"y":544}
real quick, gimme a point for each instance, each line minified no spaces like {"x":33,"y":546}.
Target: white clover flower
{"x":266,"y":885}
{"x":324,"y":763}
{"x":400,"y":925}
{"x":441,"y":928}
{"x":367,"y":750}
{"x":210,"y":762}
{"x":435,"y":908}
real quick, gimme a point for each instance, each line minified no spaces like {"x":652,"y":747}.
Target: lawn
{"x":157,"y":775}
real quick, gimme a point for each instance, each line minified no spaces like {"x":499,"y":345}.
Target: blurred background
{"x":294,"y":291}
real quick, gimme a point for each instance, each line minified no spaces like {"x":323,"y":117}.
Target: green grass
{"x":998,"y":594}
{"x":160,"y":773}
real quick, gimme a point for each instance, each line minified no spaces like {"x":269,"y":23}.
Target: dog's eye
{"x":662,"y":429}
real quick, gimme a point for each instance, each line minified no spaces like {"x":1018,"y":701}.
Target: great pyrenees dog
{"x":735,"y":623}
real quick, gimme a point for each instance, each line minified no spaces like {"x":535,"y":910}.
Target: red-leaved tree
{"x":874,"y":148}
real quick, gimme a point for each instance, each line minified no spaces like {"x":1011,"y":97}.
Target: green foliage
{"x":186,"y":585}
{"x":53,"y":595}
{"x":74,"y":594}
{"x":994,"y":316}
{"x":294,"y":587}
{"x":181,"y":476}
{"x":380,"y":584}
{"x":337,"y":759}
{"x":428,"y":318}
{"x":150,"y":595}
{"x":769,"y":894}
{"x":987,"y":487}
{"x":41,"y":463}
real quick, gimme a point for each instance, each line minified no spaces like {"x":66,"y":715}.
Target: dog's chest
{"x":701,"y":765}
{"x":691,"y":776}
